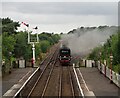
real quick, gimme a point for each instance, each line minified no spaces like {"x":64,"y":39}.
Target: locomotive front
{"x":64,"y":55}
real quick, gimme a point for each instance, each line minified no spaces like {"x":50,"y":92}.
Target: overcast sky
{"x":61,"y":16}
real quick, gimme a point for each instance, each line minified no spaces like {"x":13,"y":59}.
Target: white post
{"x":28,"y":36}
{"x":33,"y":48}
{"x":33,"y":45}
{"x":37,"y":35}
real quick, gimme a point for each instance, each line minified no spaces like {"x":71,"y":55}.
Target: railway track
{"x":26,"y":88}
{"x":66,"y":82}
{"x":40,"y":86}
{"x":52,"y":86}
{"x":56,"y":81}
{"x":53,"y":79}
{"x":60,"y":83}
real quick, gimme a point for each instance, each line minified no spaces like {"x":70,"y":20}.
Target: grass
{"x":116,"y":68}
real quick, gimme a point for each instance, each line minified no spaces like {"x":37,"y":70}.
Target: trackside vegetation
{"x":104,"y":49}
{"x":110,"y":47}
{"x":15,"y":44}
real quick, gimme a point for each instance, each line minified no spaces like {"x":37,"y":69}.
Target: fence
{"x":113,"y":76}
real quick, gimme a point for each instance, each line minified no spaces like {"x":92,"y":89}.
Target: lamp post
{"x":111,"y":59}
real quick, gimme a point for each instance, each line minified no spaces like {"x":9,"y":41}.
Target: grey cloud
{"x":74,"y":8}
{"x":61,"y":16}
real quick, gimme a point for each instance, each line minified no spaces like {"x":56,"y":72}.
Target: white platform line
{"x":24,"y":76}
{"x":25,"y":83}
{"x":83,"y":79}
{"x":78,"y":83}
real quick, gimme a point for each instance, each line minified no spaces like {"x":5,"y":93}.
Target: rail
{"x":17,"y":94}
{"x":43,"y":93}
{"x":45,"y":68}
{"x":71,"y":82}
{"x":66,"y":89}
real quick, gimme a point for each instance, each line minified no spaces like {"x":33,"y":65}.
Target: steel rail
{"x":60,"y":84}
{"x":45,"y":68}
{"x":47,"y":82}
{"x":18,"y":92}
{"x":71,"y":82}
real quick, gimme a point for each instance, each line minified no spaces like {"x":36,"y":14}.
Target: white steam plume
{"x":82,"y":42}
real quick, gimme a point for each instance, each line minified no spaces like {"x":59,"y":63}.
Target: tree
{"x":38,"y":50}
{"x":118,"y":47}
{"x":0,"y":47}
{"x":94,"y":55}
{"x":22,"y":49}
{"x":8,"y":45}
{"x":52,"y":38}
{"x":55,"y":38}
{"x":45,"y":45}
{"x":9,"y":26}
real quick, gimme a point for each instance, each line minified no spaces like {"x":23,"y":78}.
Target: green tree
{"x":22,"y":49}
{"x":38,"y":50}
{"x":52,"y":38}
{"x":55,"y":38}
{"x":45,"y":45}
{"x":9,"y":26}
{"x":0,"y":47}
{"x":8,"y":45}
{"x":118,"y":47}
{"x":94,"y":55}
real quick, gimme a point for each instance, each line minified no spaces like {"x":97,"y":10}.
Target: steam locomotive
{"x":64,"y":55}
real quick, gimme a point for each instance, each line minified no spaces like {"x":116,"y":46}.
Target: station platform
{"x":17,"y":75}
{"x":98,"y":83}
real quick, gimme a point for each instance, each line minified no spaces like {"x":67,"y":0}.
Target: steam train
{"x":64,"y":55}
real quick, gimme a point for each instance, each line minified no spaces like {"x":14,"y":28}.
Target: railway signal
{"x":36,"y":28}
{"x":27,"y":25}
{"x":32,"y":43}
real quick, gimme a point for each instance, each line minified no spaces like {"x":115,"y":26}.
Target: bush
{"x":116,"y":68}
{"x":45,"y":45}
